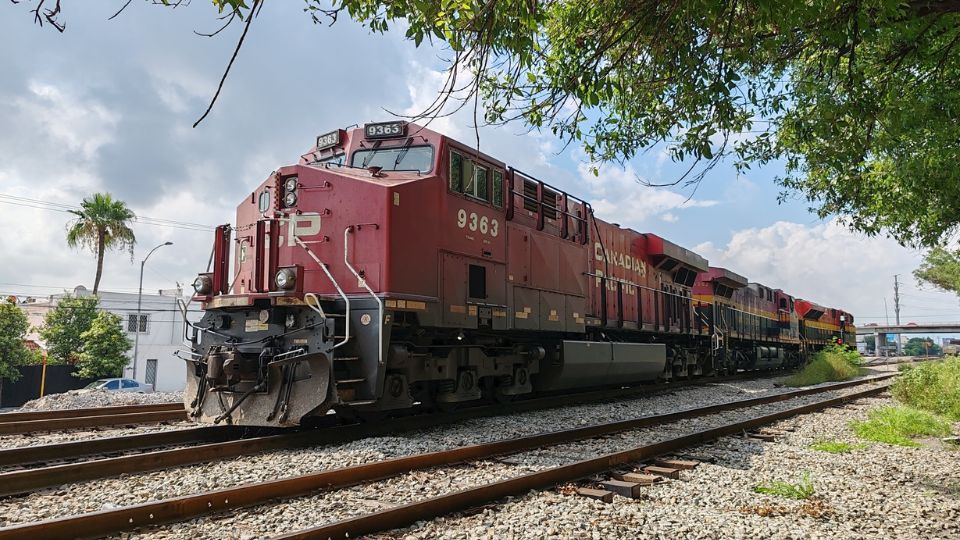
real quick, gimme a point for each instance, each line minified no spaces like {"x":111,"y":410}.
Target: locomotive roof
{"x":726,"y":277}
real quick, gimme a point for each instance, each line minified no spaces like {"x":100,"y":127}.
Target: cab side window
{"x":474,"y":179}
{"x":456,"y":172}
{"x":497,"y":189}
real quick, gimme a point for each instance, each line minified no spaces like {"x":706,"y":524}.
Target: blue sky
{"x":107,"y":106}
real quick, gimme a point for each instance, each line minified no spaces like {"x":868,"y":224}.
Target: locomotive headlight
{"x":203,"y":284}
{"x":290,"y":198}
{"x":290,"y":184}
{"x":286,"y":278}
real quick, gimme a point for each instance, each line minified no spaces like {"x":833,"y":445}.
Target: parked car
{"x":120,"y":385}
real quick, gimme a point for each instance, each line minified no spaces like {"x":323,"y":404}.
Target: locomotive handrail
{"x":318,"y":308}
{"x":637,"y":285}
{"x":346,"y":300}
{"x":363,"y":283}
{"x":558,"y":209}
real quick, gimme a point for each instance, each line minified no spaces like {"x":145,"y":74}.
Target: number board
{"x":385,"y":130}
{"x":328,"y":140}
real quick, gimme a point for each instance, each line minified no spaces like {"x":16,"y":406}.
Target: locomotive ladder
{"x":313,"y":302}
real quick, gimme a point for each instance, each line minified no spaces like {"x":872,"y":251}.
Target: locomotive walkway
{"x":182,"y":508}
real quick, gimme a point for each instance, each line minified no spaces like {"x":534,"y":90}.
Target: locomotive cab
{"x":297,"y":293}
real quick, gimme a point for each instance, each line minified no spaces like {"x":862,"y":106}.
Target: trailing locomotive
{"x":394,"y":267}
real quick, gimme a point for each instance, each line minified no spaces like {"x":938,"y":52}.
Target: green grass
{"x":835,"y":447}
{"x":899,"y":425}
{"x":830,"y":364}
{"x":801,"y":490}
{"x":931,"y":386}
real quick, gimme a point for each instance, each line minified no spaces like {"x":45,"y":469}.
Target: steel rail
{"x":149,"y":417}
{"x":25,"y":455}
{"x":23,"y":481}
{"x":191,"y":506}
{"x":408,"y":514}
{"x":91,"y":411}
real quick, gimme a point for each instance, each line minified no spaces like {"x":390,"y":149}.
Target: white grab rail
{"x":346,"y":333}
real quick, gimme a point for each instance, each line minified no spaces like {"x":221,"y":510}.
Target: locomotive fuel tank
{"x":584,"y":364}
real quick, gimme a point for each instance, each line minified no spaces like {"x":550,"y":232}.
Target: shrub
{"x":898,"y":425}
{"x":833,"y":363}
{"x":931,"y":386}
{"x":801,"y":490}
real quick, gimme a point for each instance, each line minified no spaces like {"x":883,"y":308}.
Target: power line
{"x":71,"y":287}
{"x":61,"y":207}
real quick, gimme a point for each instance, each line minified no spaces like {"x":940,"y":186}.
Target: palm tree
{"x":102,"y":223}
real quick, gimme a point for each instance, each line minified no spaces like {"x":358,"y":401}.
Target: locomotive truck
{"x":393,"y":267}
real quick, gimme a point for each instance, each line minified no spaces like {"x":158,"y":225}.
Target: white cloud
{"x":79,"y":124}
{"x":824,"y":262}
{"x":618,"y":196}
{"x":423,"y":86}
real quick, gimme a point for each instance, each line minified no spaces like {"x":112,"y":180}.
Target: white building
{"x":157,"y":333}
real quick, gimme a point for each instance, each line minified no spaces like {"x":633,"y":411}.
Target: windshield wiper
{"x":402,"y":153}
{"x":366,"y":160}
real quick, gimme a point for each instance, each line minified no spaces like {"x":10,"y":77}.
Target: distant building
{"x":160,"y":326}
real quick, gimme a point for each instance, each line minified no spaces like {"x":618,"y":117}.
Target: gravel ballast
{"x":877,"y":491}
{"x":308,"y":511}
{"x":265,"y":521}
{"x":84,"y":399}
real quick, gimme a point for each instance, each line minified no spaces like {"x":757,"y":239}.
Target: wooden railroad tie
{"x":642,"y":479}
{"x":622,"y":488}
{"x":629,"y":484}
{"x":598,"y":494}
{"x":666,"y":472}
{"x":682,"y":464}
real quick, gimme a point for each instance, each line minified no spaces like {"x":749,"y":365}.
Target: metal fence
{"x":59,"y":379}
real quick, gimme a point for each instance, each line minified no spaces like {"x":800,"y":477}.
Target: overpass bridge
{"x":911,"y":328}
{"x":881,"y":331}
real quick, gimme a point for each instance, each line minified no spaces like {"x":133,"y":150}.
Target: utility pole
{"x":896,"y":309}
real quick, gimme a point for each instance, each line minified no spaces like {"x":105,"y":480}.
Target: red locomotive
{"x":394,"y":267}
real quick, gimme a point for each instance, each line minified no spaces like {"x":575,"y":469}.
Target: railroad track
{"x":192,"y":506}
{"x":25,"y":456}
{"x":43,"y":466}
{"x":27,"y":422}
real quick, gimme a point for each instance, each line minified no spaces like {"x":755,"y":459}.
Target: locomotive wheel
{"x":494,"y":395}
{"x":492,"y":392}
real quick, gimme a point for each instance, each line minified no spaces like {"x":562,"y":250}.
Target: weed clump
{"x":800,"y":490}
{"x":931,"y":386}
{"x":835,"y":447}
{"x":899,"y":425}
{"x":833,"y":363}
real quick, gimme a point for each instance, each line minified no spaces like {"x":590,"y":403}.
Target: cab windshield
{"x":405,"y":158}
